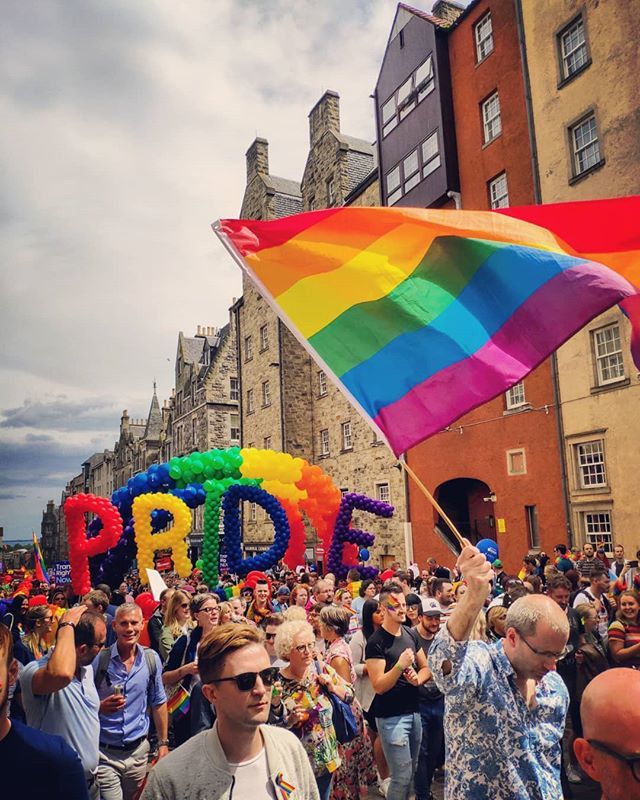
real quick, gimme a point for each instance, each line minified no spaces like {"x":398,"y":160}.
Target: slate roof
{"x":359,"y":145}
{"x":359,"y":166}
{"x":192,"y":349}
{"x":282,"y":185}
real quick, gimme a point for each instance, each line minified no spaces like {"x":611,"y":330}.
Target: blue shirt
{"x":132,"y":721}
{"x":497,"y":748}
{"x":71,"y":712}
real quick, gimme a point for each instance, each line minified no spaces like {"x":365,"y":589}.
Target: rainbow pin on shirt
{"x":286,"y":789}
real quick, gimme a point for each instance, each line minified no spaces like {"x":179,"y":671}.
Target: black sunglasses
{"x":633,"y":762}
{"x":247,"y":680}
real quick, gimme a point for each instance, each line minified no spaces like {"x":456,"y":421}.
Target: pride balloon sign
{"x":286,"y":487}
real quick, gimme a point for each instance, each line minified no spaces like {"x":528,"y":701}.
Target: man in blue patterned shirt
{"x":505,"y":706}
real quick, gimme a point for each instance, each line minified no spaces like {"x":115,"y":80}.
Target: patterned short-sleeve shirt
{"x":497,"y":747}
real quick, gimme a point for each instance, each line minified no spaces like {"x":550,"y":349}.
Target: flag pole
{"x":432,"y":500}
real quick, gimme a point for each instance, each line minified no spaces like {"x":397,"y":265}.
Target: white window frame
{"x":383,"y":492}
{"x":234,"y":389}
{"x":499,"y":191}
{"x":607,"y":350}
{"x":324,"y":442}
{"x":266,"y":394}
{"x":515,"y":397}
{"x":347,"y":435}
{"x":248,"y":348}
{"x":406,"y":97}
{"x":430,"y":160}
{"x":491,"y":119}
{"x":585,"y":145}
{"x":598,"y":529}
{"x":331,"y":191}
{"x":251,"y":406}
{"x":518,"y":451}
{"x":394,"y":185}
{"x":234,"y":430}
{"x":590,"y":464}
{"x":484,"y":37}
{"x":570,"y":50}
{"x":411,"y":171}
{"x":264,"y":337}
{"x":322,"y":383}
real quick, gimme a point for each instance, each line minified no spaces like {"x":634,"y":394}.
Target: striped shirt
{"x":628,"y":634}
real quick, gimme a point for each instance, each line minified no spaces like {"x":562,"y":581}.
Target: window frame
{"x":565,"y":76}
{"x":248,"y":348}
{"x":582,"y":468}
{"x":424,"y":169}
{"x":251,"y":404}
{"x":495,"y":202}
{"x":266,"y":443}
{"x":324,"y":442}
{"x":413,"y":95}
{"x":486,"y":121}
{"x":480,"y":57}
{"x":266,"y":394}
{"x":600,"y":380}
{"x":322,"y":383}
{"x":346,"y":435}
{"x":380,"y":485}
{"x":575,"y":150}
{"x":264,"y":337}
{"x":513,"y":452}
{"x":512,"y":405}
{"x":234,"y":389}
{"x":592,"y":536}
{"x":233,"y":427}
{"x":533,"y":526}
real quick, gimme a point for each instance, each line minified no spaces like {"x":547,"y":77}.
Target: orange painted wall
{"x":480,"y":451}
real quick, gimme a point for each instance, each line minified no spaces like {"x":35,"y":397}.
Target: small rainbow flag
{"x":422,"y":314}
{"x":285,"y":788}
{"x":178,"y":704}
{"x":41,"y":569}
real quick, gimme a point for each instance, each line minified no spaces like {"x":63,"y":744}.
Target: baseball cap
{"x":431,"y":607}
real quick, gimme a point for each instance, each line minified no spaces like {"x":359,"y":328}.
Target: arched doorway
{"x":463,"y":500}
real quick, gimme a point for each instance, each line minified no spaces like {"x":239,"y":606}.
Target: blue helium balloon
{"x":489,"y":549}
{"x":364,"y":554}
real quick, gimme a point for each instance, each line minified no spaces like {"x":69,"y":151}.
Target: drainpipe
{"x":457,"y":199}
{"x":537,"y":195}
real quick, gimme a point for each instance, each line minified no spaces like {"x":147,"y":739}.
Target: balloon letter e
{"x":343,"y":534}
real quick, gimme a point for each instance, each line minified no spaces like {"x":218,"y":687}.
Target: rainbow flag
{"x":179,"y":703}
{"x":422,"y":315}
{"x":41,"y":569}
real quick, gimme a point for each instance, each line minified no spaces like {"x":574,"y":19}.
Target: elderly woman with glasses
{"x":306,"y":685}
{"x":180,"y":672}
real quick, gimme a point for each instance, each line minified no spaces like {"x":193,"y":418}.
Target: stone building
{"x":53,"y":548}
{"x":583,"y":65}
{"x":140,"y":443}
{"x":287,"y":402}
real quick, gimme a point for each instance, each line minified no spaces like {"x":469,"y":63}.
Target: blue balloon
{"x":489,"y":549}
{"x":364,"y":554}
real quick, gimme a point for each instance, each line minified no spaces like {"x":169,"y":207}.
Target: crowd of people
{"x":295,"y":684}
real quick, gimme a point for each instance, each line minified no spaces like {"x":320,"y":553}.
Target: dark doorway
{"x":463,"y":500}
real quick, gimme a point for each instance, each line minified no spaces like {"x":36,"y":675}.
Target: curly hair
{"x":287,"y":632}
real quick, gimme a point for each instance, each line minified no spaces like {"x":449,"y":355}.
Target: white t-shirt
{"x":252,"y":778}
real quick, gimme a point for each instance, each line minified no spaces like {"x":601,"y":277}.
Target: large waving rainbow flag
{"x":422,"y":315}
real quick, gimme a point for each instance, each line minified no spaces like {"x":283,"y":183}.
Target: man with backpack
{"x":128,"y":678}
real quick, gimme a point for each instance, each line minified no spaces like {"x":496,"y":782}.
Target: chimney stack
{"x":447,"y":10}
{"x":324,"y":116}
{"x":257,"y":159}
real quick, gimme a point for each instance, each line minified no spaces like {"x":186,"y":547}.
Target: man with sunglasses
{"x":240,"y":756}
{"x":609,"y":752}
{"x":505,"y":705}
{"x":58,"y":692}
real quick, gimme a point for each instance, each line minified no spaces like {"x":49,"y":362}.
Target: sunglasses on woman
{"x":247,"y":680}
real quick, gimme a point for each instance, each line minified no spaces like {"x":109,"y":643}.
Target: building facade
{"x":583,"y":64}
{"x":497,"y":472}
{"x":52,"y":548}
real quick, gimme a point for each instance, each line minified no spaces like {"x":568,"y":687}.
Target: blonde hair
{"x":221,"y":641}
{"x":295,"y":613}
{"x":479,"y":630}
{"x":171,"y":615}
{"x":33,"y":640}
{"x":225,"y":608}
{"x":287,"y":632}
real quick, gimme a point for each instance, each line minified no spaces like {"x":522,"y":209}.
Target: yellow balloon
{"x":148,"y":542}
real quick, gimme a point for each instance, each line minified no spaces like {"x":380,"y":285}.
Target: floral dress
{"x":317,"y":734}
{"x":357,"y":772}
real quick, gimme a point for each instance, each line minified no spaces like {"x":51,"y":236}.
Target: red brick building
{"x":498,"y":472}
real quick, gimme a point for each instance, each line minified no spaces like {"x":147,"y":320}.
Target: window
{"x":484,"y":38}
{"x":608,"y":353}
{"x":413,"y":90}
{"x":331,"y":192}
{"x":347,"y":440}
{"x":498,"y":192}
{"x":253,"y":512}
{"x":312,"y":204}
{"x":250,"y":402}
{"x":234,"y":425}
{"x":573,"y":48}
{"x":597,"y":530}
{"x":267,"y":443}
{"x":383,"y":493}
{"x":430,"y":155}
{"x":394,"y":189}
{"x":322,"y":383}
{"x":234,"y":389}
{"x":516,"y":462}
{"x":266,"y":394}
{"x":248,"y":348}
{"x":491,"y":118}
{"x":515,"y":396}
{"x":590,"y":462}
{"x":531,"y":513}
{"x":585,"y":145}
{"x":264,"y":337}
{"x":411,"y":169}
{"x":324,"y":442}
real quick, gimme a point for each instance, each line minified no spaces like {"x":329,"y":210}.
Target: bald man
{"x":505,"y":705}
{"x":610,"y":750}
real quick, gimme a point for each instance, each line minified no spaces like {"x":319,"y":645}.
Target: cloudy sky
{"x":124,"y":128}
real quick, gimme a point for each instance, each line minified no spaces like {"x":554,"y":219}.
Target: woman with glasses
{"x":177,"y":622}
{"x":624,"y":632}
{"x":180,"y":674}
{"x":306,"y":685}
{"x":38,"y":621}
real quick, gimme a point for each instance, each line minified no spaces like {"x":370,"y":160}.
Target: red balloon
{"x":147,"y":604}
